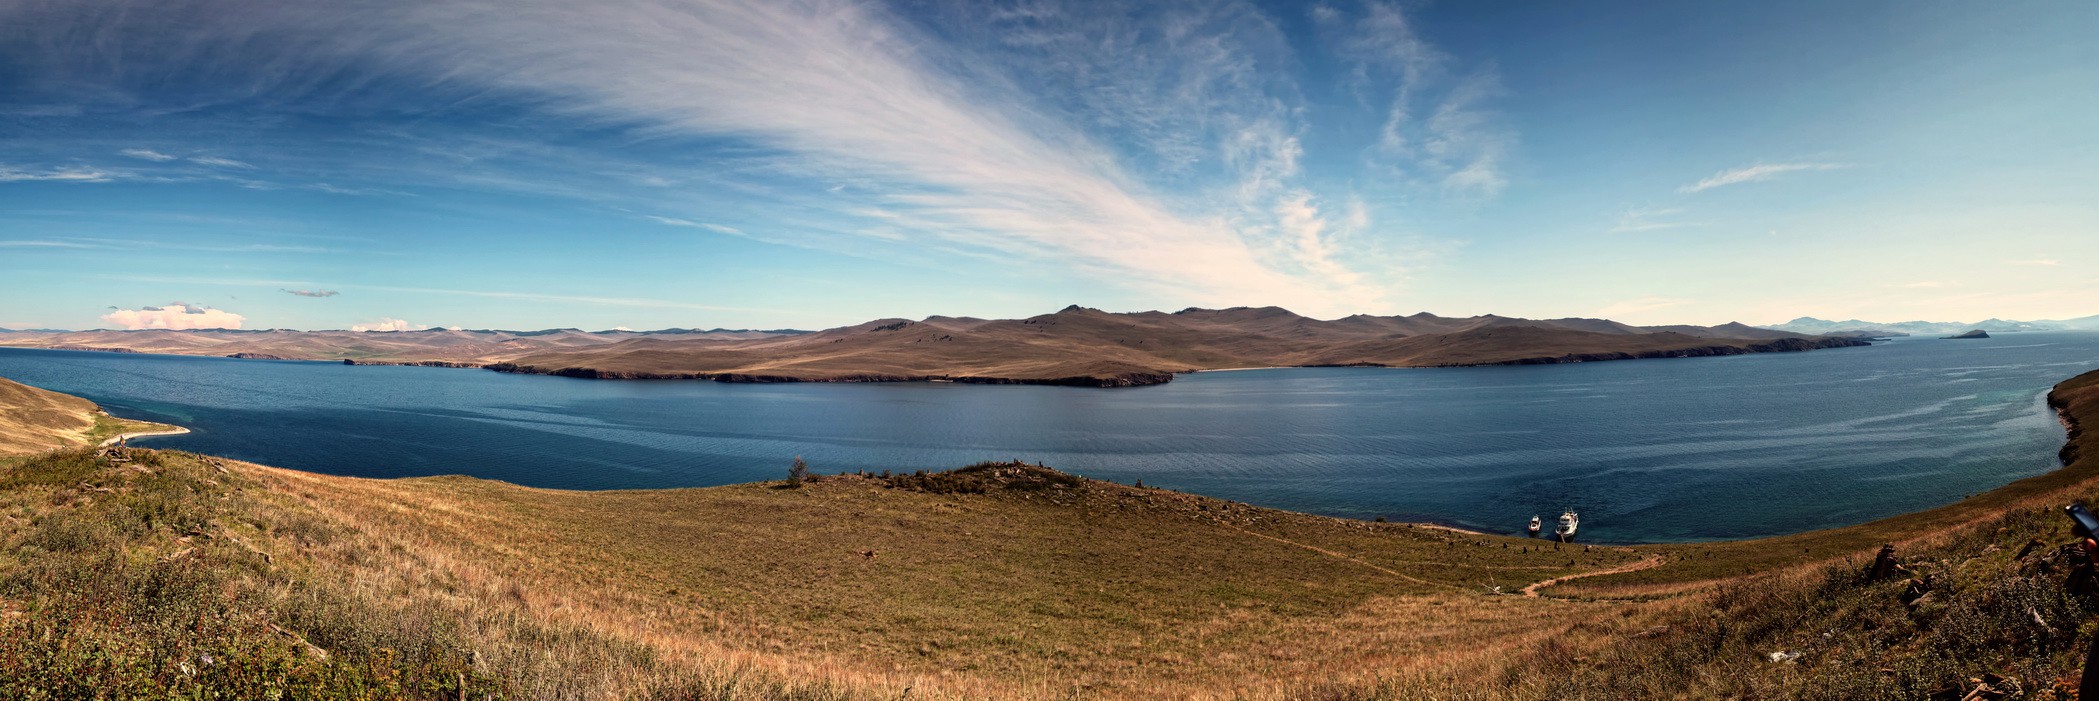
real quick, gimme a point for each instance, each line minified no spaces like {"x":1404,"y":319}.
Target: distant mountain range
{"x":1813,"y":326}
{"x":1076,"y":346}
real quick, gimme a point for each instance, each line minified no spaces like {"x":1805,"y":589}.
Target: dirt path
{"x":1344,"y":556}
{"x":176,"y":431}
{"x":1652,"y":561}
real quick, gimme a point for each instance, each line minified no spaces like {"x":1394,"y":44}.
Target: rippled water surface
{"x":1655,"y":450}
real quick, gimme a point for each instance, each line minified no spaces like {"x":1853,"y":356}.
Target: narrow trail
{"x":1652,"y":561}
{"x":1530,"y":591}
{"x":1343,"y":556}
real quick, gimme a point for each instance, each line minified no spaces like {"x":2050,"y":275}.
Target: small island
{"x":1978,"y":333}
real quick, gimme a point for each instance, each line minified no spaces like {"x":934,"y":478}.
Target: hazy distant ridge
{"x":1814,"y":326}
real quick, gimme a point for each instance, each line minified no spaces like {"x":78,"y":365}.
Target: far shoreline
{"x":1118,"y":381}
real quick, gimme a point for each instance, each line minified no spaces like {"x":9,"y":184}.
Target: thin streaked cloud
{"x":70,"y":174}
{"x":491,"y":294}
{"x":1755,"y":173}
{"x":46,"y":244}
{"x":219,"y":162}
{"x":147,"y":154}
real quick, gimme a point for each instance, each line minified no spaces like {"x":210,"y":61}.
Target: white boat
{"x":1537,"y":524}
{"x":1568,"y":521}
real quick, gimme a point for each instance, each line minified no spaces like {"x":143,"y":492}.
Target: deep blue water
{"x":1656,"y":450}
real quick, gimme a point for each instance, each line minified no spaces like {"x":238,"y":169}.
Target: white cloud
{"x":175,"y":316}
{"x":688,"y":223}
{"x":1640,"y":306}
{"x":312,"y":293}
{"x":1755,"y":173}
{"x":493,"y":294}
{"x":1164,"y":160}
{"x":2035,"y":262}
{"x":1923,"y":285}
{"x":1461,"y":143}
{"x":387,"y":324}
{"x":147,"y":154}
{"x":31,"y":243}
{"x":76,"y":174}
{"x":218,"y":162}
{"x":844,"y":90}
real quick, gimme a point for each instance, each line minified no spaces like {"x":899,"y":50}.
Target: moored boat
{"x":1537,"y":524}
{"x":1568,"y":522}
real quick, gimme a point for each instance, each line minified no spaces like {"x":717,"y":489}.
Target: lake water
{"x":1652,"y":450}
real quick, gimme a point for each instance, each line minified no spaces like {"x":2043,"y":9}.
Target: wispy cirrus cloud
{"x":1156,"y":147}
{"x":843,"y":87}
{"x":66,"y":174}
{"x":147,"y":154}
{"x":219,"y":162}
{"x":1755,"y":173}
{"x":1439,"y":122}
{"x":2035,"y":262}
{"x":312,"y":293}
{"x":36,"y":243}
{"x":108,"y":243}
{"x":690,"y":224}
{"x":491,"y":294}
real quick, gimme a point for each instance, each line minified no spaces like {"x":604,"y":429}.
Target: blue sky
{"x":658,"y":163}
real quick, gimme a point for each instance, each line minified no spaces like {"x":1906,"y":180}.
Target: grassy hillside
{"x":161,"y":573}
{"x":35,"y":420}
{"x":1001,"y":581}
{"x":1998,"y":610}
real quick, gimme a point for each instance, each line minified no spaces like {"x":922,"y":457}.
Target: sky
{"x":522,"y":164}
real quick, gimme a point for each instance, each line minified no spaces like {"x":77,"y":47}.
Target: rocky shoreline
{"x":1783,"y":345}
{"x":413,"y":363}
{"x":1133,"y":379}
{"x":2066,"y":398}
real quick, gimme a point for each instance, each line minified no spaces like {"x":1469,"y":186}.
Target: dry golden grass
{"x":34,"y":420}
{"x":1097,"y":590}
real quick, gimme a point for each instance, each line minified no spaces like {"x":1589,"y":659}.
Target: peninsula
{"x":1075,"y":346}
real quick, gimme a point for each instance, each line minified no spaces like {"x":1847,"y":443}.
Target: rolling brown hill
{"x":34,"y":420}
{"x":1084,"y":346}
{"x":1077,"y":346}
